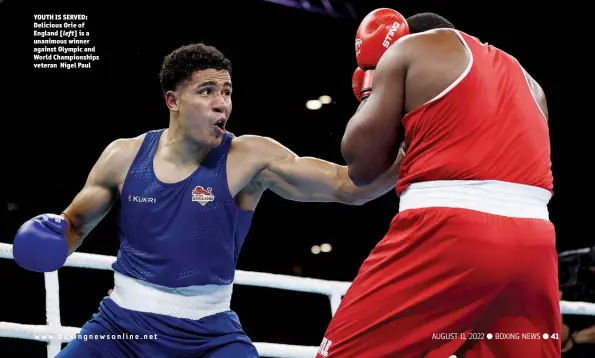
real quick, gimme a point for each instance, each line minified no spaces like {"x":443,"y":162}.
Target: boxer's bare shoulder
{"x":435,"y":60}
{"x":246,"y":159}
{"x":257,"y":152}
{"x":117,"y":157}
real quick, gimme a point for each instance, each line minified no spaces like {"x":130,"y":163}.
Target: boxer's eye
{"x":206,"y":90}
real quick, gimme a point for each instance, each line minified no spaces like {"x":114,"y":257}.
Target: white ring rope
{"x":334,"y":289}
{"x":575,"y":252}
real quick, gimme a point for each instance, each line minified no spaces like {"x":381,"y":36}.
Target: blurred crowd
{"x":577,"y":283}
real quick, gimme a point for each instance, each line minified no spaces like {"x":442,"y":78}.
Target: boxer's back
{"x":486,"y":126}
{"x":180,"y":234}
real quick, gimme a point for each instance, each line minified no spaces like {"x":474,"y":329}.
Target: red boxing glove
{"x":377,"y":31}
{"x":361,"y":82}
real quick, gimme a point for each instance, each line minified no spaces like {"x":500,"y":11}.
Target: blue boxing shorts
{"x":117,"y":332}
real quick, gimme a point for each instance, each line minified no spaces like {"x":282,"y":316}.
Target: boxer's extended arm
{"x":98,"y":195}
{"x":371,"y":140}
{"x":309,"y":179}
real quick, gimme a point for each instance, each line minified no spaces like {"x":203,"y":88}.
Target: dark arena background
{"x":56,"y":122}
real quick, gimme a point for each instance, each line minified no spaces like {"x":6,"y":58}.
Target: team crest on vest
{"x":202,"y":195}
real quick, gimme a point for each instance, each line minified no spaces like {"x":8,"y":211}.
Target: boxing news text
{"x":86,"y":337}
{"x":500,"y":336}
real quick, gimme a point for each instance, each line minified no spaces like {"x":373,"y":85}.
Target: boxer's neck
{"x":179,"y":149}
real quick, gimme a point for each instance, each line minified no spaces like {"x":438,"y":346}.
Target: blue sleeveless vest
{"x":182,"y":234}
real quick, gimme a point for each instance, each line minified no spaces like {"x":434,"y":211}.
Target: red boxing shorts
{"x":449,"y":280}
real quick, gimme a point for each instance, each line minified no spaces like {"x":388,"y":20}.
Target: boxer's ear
{"x":171,"y":100}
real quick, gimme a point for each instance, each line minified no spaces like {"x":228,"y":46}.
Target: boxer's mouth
{"x":221,"y":123}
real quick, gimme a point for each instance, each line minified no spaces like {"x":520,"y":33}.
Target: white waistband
{"x":194,"y":302}
{"x":489,"y":196}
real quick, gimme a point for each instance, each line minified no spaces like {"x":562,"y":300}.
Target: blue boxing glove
{"x":40,"y":244}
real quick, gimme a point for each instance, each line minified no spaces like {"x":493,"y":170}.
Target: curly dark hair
{"x":181,"y":63}
{"x":427,"y":21}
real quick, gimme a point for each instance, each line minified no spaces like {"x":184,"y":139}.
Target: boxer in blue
{"x":188,"y":194}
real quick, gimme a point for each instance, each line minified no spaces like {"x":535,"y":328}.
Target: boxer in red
{"x":468,"y":266}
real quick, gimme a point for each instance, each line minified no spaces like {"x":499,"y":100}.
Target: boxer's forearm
{"x":87,"y":209}
{"x":586,"y":335}
{"x":359,"y":195}
{"x":74,"y":238}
